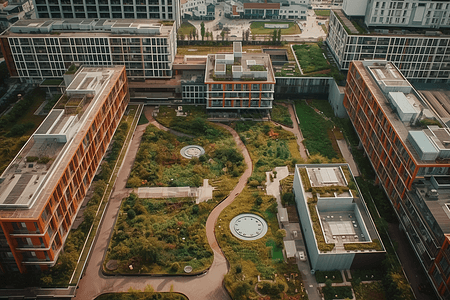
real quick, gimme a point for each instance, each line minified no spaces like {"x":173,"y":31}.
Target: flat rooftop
{"x":89,"y":27}
{"x":247,"y":61}
{"x":391,"y":31}
{"x":380,"y":75}
{"x":342,"y":215}
{"x":28,"y":181}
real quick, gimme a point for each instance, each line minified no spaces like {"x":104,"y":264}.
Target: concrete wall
{"x":335,"y":204}
{"x":296,"y":87}
{"x":354,"y":8}
{"x":336,"y":99}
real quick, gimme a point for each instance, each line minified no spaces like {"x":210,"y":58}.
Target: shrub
{"x":131,"y":214}
{"x":175,"y":267}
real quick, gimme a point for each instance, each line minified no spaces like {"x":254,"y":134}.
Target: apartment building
{"x":394,"y":13}
{"x":198,"y":9}
{"x":239,"y":81}
{"x":406,"y":137}
{"x":12,"y":11}
{"x":263,"y":10}
{"x":338,"y":229}
{"x":114,"y":9}
{"x":421,"y":57}
{"x":42,"y":189}
{"x":41,"y":48}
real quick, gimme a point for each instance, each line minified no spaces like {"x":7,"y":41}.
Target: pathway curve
{"x":296,"y":131}
{"x":207,"y":286}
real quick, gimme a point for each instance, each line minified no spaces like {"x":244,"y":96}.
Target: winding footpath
{"x":206,"y":286}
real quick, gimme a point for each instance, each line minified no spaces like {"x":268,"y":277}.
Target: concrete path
{"x":273,"y":189}
{"x":207,"y":286}
{"x":296,"y":131}
{"x":345,"y":151}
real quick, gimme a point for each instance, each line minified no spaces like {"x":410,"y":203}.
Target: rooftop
{"x":406,"y":109}
{"x":407,"y":31}
{"x":238,"y":66}
{"x":28,"y":181}
{"x":336,"y":211}
{"x":89,"y":27}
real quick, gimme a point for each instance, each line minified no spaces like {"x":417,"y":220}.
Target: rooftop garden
{"x":159,"y":236}
{"x":311,"y":58}
{"x":185,"y":28}
{"x":322,"y":12}
{"x":257,"y":68}
{"x":258,"y":28}
{"x":52,"y":82}
{"x":72,"y":69}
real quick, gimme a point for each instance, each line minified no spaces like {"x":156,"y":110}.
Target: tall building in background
{"x":405,"y":134}
{"x":41,"y":48}
{"x":42,"y":190}
{"x":105,"y":9}
{"x":421,"y":56}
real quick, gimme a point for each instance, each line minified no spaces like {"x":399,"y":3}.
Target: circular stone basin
{"x":192,"y":151}
{"x":248,"y":227}
{"x":187,"y":269}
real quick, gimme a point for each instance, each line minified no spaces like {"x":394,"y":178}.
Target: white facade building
{"x":33,"y":51}
{"x":420,"y":57}
{"x":114,"y":9}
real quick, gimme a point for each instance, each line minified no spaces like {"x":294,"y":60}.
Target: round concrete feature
{"x":192,"y":151}
{"x":248,"y":227}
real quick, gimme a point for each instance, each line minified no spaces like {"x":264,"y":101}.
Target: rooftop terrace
{"x":28,"y":181}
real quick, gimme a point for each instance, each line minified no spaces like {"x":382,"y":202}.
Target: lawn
{"x":315,"y":131}
{"x":258,"y":28}
{"x":160,"y":236}
{"x":311,"y":58}
{"x":185,"y":28}
{"x":322,"y":12}
{"x":280,"y":114}
{"x":334,"y":276}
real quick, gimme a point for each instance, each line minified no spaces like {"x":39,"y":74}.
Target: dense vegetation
{"x":161,"y":236}
{"x":280,"y":114}
{"x":311,"y":58}
{"x":147,"y":294}
{"x":269,"y":146}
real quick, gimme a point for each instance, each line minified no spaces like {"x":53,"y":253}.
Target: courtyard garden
{"x":159,"y":236}
{"x":159,"y":162}
{"x":311,"y":58}
{"x":280,"y":114}
{"x":257,"y":264}
{"x":258,"y":28}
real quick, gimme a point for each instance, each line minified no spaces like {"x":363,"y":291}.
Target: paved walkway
{"x":296,"y":131}
{"x":345,"y":151}
{"x":273,"y":189}
{"x":208,"y":286}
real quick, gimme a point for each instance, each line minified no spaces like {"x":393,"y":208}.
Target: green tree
{"x":222,"y":34}
{"x":202,"y":30}
{"x":279,"y":35}
{"x":274,"y":36}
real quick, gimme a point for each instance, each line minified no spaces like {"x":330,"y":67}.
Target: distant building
{"x":198,"y":9}
{"x":409,"y":13}
{"x":406,"y":137}
{"x":12,"y":11}
{"x":42,"y":189}
{"x":264,"y":10}
{"x":169,"y":10}
{"x":239,"y":81}
{"x":420,"y":56}
{"x":337,"y":227}
{"x":40,"y":48}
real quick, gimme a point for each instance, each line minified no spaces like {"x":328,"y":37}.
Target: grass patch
{"x":369,"y":291}
{"x":322,"y":12}
{"x":337,"y":292}
{"x":52,"y":82}
{"x":258,"y":28}
{"x":139,"y":295}
{"x":311,"y":58}
{"x":276,"y":251}
{"x":334,"y":276}
{"x":280,"y":114}
{"x":314,"y":128}
{"x":367,"y":274}
{"x":185,"y":28}
{"x":161,"y":236}
{"x":143,"y":119}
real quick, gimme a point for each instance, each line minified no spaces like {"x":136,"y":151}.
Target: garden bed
{"x":311,"y":58}
{"x":138,"y":295}
{"x":160,"y":236}
{"x":258,"y":28}
{"x":280,"y":114}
